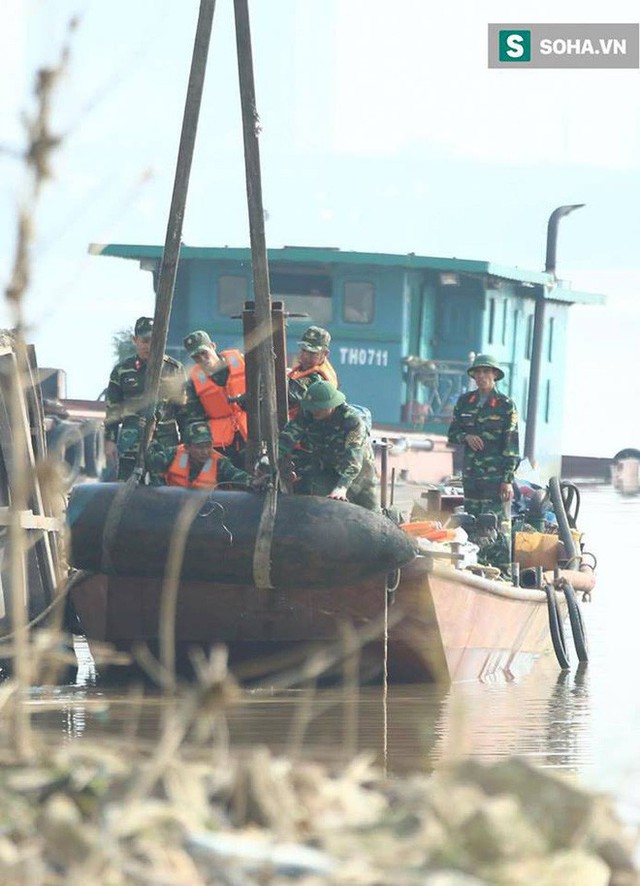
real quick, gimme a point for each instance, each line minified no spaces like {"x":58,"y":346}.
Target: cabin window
{"x":232,"y":294}
{"x":505,"y":309}
{"x":529,"y":341}
{"x":303,"y":293}
{"x":547,"y":403}
{"x":516,"y":334}
{"x":550,"y":348}
{"x":358,"y":302}
{"x":492,"y":319}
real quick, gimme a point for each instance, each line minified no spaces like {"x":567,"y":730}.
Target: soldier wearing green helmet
{"x":125,"y":403}
{"x":195,"y":463}
{"x":485,"y":423}
{"x":334,"y":452}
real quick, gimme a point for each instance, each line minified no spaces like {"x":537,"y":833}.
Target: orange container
{"x":420,"y":527}
{"x":429,"y":529}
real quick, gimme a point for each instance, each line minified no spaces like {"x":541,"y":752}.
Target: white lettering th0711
{"x":364,"y":357}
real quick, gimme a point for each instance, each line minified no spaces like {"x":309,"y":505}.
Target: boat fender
{"x":555,"y":627}
{"x":578,"y":629}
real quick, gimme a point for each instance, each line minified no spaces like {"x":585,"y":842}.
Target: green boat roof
{"x":557,"y":289}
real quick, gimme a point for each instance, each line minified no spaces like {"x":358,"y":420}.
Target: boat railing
{"x":433,"y":386}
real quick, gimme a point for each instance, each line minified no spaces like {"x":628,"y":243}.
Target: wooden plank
{"x":29,"y":520}
{"x":280,"y":351}
{"x":41,"y":560}
{"x":252,"y":378}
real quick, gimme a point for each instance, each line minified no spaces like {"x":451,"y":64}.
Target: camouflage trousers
{"x":483,"y":497}
{"x":129,"y":438}
{"x":126,"y":464}
{"x":235,"y":452}
{"x":316,"y":482}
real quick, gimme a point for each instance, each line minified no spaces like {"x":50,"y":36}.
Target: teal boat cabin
{"x":403,"y":327}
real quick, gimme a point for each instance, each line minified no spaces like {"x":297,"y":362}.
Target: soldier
{"x":215,"y":394}
{"x":125,"y":402}
{"x":195,"y":464}
{"x":312,"y":365}
{"x":486,"y":423}
{"x":339,"y":461}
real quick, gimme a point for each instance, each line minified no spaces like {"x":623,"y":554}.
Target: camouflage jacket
{"x":160,"y":457}
{"x":339,"y":443}
{"x":125,"y":400}
{"x":496,"y":422}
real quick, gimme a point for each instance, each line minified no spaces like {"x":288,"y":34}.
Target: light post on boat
{"x":538,"y":329}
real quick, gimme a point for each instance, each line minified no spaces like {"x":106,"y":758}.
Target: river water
{"x":585,"y":720}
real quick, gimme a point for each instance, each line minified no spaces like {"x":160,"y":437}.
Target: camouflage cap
{"x":197,"y":341}
{"x":199,"y":432}
{"x":315,"y":339}
{"x":486,"y":361}
{"x":321,"y":395}
{"x":143,"y":327}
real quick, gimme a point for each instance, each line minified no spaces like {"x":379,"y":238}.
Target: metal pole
{"x":384,"y":472}
{"x":251,"y":131}
{"x":534,"y":377}
{"x":538,"y":331}
{"x":552,"y":234}
{"x":171,"y":252}
{"x":265,"y":357}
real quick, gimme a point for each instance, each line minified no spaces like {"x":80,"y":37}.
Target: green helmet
{"x":199,"y":432}
{"x":321,"y":395}
{"x":486,"y":361}
{"x":197,"y":341}
{"x":315,"y":339}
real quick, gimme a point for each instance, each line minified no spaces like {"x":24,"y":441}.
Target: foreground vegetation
{"x":188,"y":809}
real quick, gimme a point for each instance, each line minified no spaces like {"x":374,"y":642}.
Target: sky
{"x":382,"y":130}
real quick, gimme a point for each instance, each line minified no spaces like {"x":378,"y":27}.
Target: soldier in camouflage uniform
{"x":312,"y":365}
{"x":195,"y":464}
{"x":216,"y":393}
{"x":486,"y":423}
{"x":125,"y":402}
{"x":338,"y":460}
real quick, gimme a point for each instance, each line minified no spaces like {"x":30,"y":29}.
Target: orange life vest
{"x":178,"y":471}
{"x":225,"y":419}
{"x":325,"y":369}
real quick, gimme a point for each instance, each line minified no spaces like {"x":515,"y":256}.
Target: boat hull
{"x":443,"y":624}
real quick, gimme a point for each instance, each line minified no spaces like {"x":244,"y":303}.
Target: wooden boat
{"x":445,"y":625}
{"x":425,"y":618}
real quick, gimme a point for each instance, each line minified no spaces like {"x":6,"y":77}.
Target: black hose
{"x":577,"y":625}
{"x":555,"y":627}
{"x":65,"y":441}
{"x":570,"y":493}
{"x":564,"y":530}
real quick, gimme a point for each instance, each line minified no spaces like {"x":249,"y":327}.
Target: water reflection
{"x":575,"y":720}
{"x":545,"y":717}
